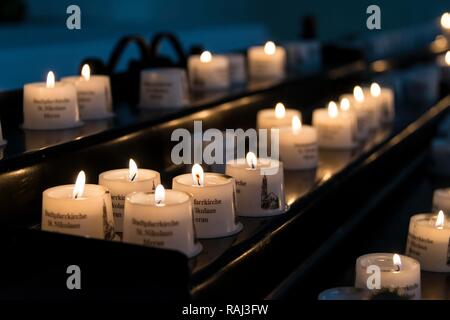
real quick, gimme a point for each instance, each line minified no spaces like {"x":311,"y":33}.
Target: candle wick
{"x":133,"y":177}
{"x":253,"y":165}
{"x":198,"y":179}
{"x":397,"y":268}
{"x":76,"y":195}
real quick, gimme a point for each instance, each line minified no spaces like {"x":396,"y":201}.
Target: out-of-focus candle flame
{"x":375,"y":90}
{"x":270,"y":48}
{"x":397,"y":262}
{"x":160,"y":195}
{"x":251,"y":160}
{"x":296,"y":124}
{"x":440,"y":220}
{"x":445,"y":21}
{"x":86,"y":72}
{"x":332,"y":109}
{"x":197,"y":174}
{"x":280,"y":111}
{"x":447,"y":58}
{"x":78,"y":190}
{"x":132,"y":170}
{"x":206,"y":57}
{"x":358,"y":93}
{"x":345,"y":104}
{"x":50,"y":79}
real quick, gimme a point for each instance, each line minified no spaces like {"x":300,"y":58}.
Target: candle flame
{"x":332,"y":109}
{"x":206,"y":57}
{"x":375,"y":90}
{"x":86,"y":72}
{"x":296,"y":124}
{"x":78,"y":190}
{"x":358,"y":93}
{"x":440,"y":220}
{"x":345,"y":104}
{"x":447,"y":58}
{"x":251,"y":160}
{"x":397,"y":261}
{"x":445,"y":20}
{"x":197,"y":174}
{"x":270,"y":48}
{"x":50,"y":79}
{"x":280,"y":111}
{"x":132,"y":170}
{"x":160,"y":195}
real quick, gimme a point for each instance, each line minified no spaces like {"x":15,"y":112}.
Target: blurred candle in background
{"x":267,"y":62}
{"x":209,"y":72}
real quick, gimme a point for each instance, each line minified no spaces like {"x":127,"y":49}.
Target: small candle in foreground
{"x":50,"y":105}
{"x":267,"y":62}
{"x":121,"y":182}
{"x":398,"y":274}
{"x":213,"y":202}
{"x":162,"y":219}
{"x":94,"y":94}
{"x":429,"y":241}
{"x":298,"y":146}
{"x":277,"y":117}
{"x":259,"y":186}
{"x":335,"y":130}
{"x":209,"y":72}
{"x":80,"y":209}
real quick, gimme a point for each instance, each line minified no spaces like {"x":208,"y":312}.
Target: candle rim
{"x":237,"y":163}
{"x":101,"y":191}
{"x":151,"y":195}
{"x":140,"y":178}
{"x":229,"y":179}
{"x":428,"y":220}
{"x":408,"y":263}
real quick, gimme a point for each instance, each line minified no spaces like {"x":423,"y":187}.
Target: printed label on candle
{"x":64,"y":220}
{"x":205,"y":207}
{"x":153,"y":233}
{"x":91,"y":99}
{"x":418,"y":245}
{"x":51,"y":108}
{"x":307,"y":152}
{"x":336,"y":133}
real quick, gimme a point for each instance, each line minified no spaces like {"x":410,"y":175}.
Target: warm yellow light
{"x":332,"y":109}
{"x":397,"y":261}
{"x":358,"y":93}
{"x":197,"y":174}
{"x":160,"y":195}
{"x":132,"y":170}
{"x":375,"y":90}
{"x":447,"y":58}
{"x":86,"y":72}
{"x":251,"y":160}
{"x":445,"y":21}
{"x":78,"y":190}
{"x":206,"y":57}
{"x":440,"y":220}
{"x":296,"y":124}
{"x":50,"y":80}
{"x":270,"y":48}
{"x":345,"y":104}
{"x":280,"y":111}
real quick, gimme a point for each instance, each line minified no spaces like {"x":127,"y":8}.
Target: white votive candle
{"x":121,"y":182}
{"x":277,"y":117}
{"x":267,"y":62}
{"x":364,"y":105}
{"x":209,"y":72}
{"x":441,"y":200}
{"x":362,"y":120}
{"x":259,"y":186}
{"x":238,"y":68}
{"x":298,"y":146}
{"x":80,"y":209}
{"x":383,"y":101}
{"x":399,"y":274}
{"x":50,"y":105}
{"x":429,"y":241}
{"x":94,"y":94}
{"x":161,"y":219}
{"x":445,"y":24}
{"x":213,"y":202}
{"x":335,"y":130}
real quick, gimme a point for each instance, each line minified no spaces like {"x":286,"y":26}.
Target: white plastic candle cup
{"x":298,"y":148}
{"x":267,"y":62}
{"x":363,"y":126}
{"x":213,"y":204}
{"x":268,"y":119}
{"x":50,"y":108}
{"x":403,"y":280}
{"x":164,"y":88}
{"x":428,"y":243}
{"x":119,"y":184}
{"x":367,"y":108}
{"x":337,"y":132}
{"x":304,"y":56}
{"x":441,"y":201}
{"x":238,"y":68}
{"x":94,"y":96}
{"x":259,"y":190}
{"x":2,"y":141}
{"x":209,"y":72}
{"x":168,"y":225}
{"x":89,"y":215}
{"x":381,"y":105}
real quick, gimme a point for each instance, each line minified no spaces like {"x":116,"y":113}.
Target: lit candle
{"x":267,"y":62}
{"x":238,"y":73}
{"x":258,"y":178}
{"x":444,"y":63}
{"x":298,"y":146}
{"x":121,"y":182}
{"x":399,"y":274}
{"x":213,"y":202}
{"x":163,"y":88}
{"x":383,"y":102}
{"x":50,"y":105}
{"x":161,"y":219}
{"x":334,"y":129}
{"x":366,"y":109}
{"x":441,"y":200}
{"x":209,"y":72}
{"x":429,"y":241}
{"x":445,"y":24}
{"x":2,"y":141}
{"x":94,"y":94}
{"x":275,"y":118}
{"x":362,"y":119}
{"x":80,"y":209}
